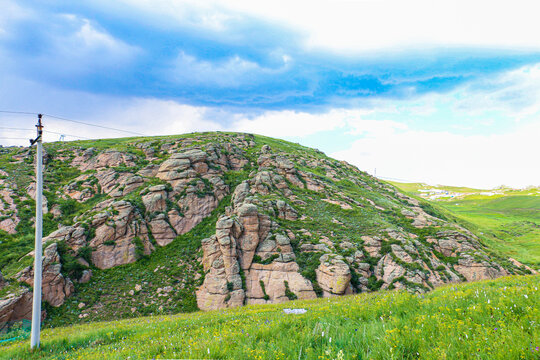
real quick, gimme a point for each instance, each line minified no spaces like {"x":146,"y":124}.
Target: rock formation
{"x":55,"y":287}
{"x":16,"y":307}
{"x":334,"y":275}
{"x":290,"y":223}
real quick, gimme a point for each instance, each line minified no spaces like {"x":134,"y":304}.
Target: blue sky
{"x":366,"y":81}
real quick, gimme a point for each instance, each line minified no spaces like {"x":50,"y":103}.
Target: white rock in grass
{"x":294,"y":311}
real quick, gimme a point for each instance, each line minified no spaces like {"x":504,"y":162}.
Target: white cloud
{"x":68,"y":44}
{"x":202,"y":15}
{"x":515,"y":92}
{"x":399,"y":151}
{"x":372,"y":25}
{"x":231,"y":72}
{"x":159,"y":117}
{"x":75,"y":46}
{"x":452,"y":159}
{"x":150,"y":117}
{"x":88,"y":42}
{"x":369,"y":25}
{"x":513,"y":95}
{"x":90,"y":37}
{"x":289,"y":123}
{"x":11,"y":13}
{"x":225,"y":73}
{"x":142,"y":115}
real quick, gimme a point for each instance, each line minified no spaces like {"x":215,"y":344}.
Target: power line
{"x":98,"y":126}
{"x":57,"y":133}
{"x":46,"y":131}
{"x":73,"y":121}
{"x":17,"y":112}
{"x":8,"y":128}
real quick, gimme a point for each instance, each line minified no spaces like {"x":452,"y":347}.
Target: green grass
{"x":508,"y":222}
{"x":511,"y":224}
{"x":495,"y":319}
{"x":414,"y":187}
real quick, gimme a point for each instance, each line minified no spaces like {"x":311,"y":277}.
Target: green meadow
{"x":497,"y":319}
{"x":507,"y":220}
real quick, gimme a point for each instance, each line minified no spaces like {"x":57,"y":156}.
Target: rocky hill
{"x":214,"y":220}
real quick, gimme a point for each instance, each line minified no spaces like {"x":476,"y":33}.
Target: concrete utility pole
{"x":36,"y":309}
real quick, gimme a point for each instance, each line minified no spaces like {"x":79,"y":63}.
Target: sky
{"x":418,"y":90}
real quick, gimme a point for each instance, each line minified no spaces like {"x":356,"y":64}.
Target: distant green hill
{"x":508,"y":220}
{"x":495,"y":319}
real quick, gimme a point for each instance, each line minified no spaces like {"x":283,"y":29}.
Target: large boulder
{"x":249,"y":240}
{"x":74,"y":236}
{"x":333,"y":275}
{"x":286,"y":211}
{"x":401,"y":254}
{"x":194,"y":209}
{"x":9,"y":225}
{"x":269,"y":283}
{"x":55,"y":287}
{"x":388,"y":270}
{"x":372,"y":245}
{"x":81,"y":159}
{"x":162,"y":231}
{"x":8,"y":208}
{"x":121,"y":235}
{"x":156,"y":199}
{"x":474,"y":270}
{"x":201,"y":188}
{"x":173,"y":169}
{"x":16,"y":307}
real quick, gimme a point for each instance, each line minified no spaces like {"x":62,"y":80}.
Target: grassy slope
{"x":485,"y":320}
{"x":414,"y":187}
{"x":509,"y":221}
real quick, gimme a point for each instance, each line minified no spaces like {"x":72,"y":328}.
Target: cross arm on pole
{"x":39,"y":127}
